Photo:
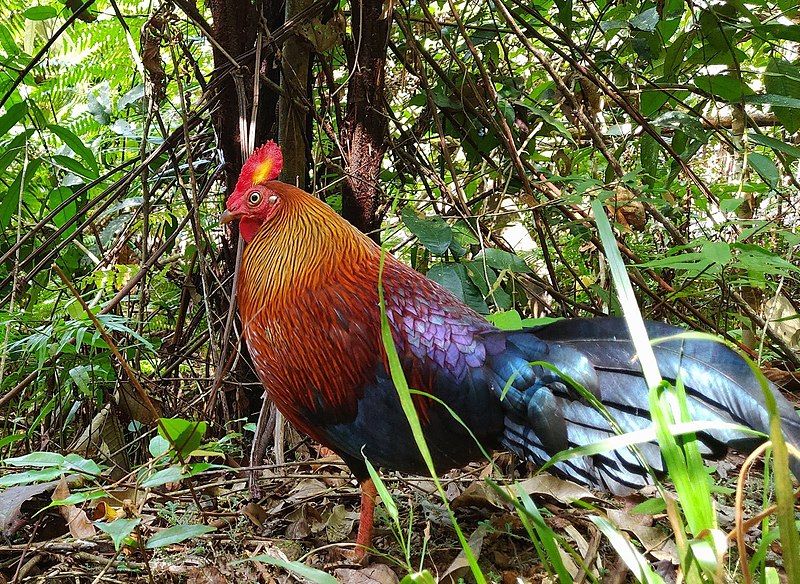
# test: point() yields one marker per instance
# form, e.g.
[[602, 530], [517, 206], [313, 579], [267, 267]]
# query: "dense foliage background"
[[469, 137]]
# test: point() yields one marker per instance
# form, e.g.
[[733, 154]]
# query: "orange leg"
[[369, 495]]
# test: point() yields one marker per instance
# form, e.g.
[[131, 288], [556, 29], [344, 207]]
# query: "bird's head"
[[253, 202]]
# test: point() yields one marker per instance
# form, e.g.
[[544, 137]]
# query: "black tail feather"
[[720, 386]]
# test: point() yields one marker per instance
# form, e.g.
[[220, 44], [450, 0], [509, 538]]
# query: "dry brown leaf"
[[460, 565], [307, 489], [338, 524], [304, 521], [478, 494], [559, 489], [255, 513], [375, 574], [655, 540], [11, 501], [78, 523]]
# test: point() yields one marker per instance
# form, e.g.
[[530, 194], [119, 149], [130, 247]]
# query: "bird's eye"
[[254, 198]]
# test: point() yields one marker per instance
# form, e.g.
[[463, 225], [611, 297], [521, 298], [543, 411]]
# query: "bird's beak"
[[227, 217]]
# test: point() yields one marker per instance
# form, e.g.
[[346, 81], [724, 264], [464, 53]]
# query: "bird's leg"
[[369, 495]]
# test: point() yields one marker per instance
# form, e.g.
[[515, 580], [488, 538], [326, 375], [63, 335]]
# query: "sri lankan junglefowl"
[[308, 299]]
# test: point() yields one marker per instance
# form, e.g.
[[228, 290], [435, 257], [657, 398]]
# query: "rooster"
[[308, 300]]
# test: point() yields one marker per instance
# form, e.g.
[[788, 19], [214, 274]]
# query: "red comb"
[[264, 164]]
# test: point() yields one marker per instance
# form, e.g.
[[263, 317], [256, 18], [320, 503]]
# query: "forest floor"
[[308, 512]]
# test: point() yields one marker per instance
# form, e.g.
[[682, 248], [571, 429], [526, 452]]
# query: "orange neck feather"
[[296, 251]]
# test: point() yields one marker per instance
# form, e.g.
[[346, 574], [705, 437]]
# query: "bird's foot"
[[358, 556]]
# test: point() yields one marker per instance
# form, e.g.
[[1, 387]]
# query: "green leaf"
[[40, 459], [507, 320], [119, 529], [7, 41], [30, 476], [646, 21], [433, 232], [565, 13], [717, 252], [383, 493], [773, 100], [10, 204], [783, 78], [40, 12], [184, 435], [176, 534], [775, 144], [158, 446], [132, 96], [502, 260], [78, 147], [764, 166], [58, 196], [12, 116], [424, 577], [77, 498], [727, 87], [75, 461], [650, 507], [171, 474], [447, 275], [310, 574]]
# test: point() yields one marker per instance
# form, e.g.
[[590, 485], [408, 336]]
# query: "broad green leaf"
[[171, 474], [184, 435], [132, 96], [646, 21], [502, 260], [447, 276], [30, 476], [764, 166], [783, 78], [12, 116], [775, 144], [158, 446], [40, 12], [433, 232], [57, 197], [40, 459], [176, 534], [727, 87], [78, 147], [565, 13], [650, 507], [507, 320], [10, 203], [77, 498], [75, 461], [119, 529], [7, 41], [774, 100]]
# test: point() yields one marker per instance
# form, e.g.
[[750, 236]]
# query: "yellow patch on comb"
[[261, 173]]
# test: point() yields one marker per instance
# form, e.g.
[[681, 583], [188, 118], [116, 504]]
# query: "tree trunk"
[[235, 30], [293, 132], [364, 135]]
